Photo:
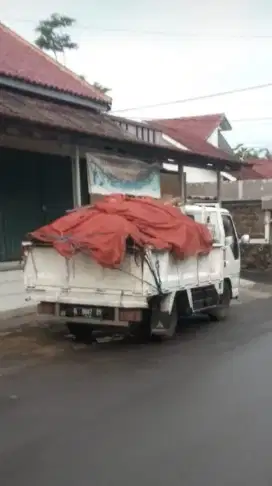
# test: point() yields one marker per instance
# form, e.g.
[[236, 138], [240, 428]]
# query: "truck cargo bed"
[[53, 278]]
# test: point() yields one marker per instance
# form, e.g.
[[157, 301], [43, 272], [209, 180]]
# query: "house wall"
[[193, 174], [154, 136], [213, 138], [218, 140], [140, 131], [245, 190], [250, 219]]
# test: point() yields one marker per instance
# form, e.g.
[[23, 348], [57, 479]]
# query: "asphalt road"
[[194, 412]]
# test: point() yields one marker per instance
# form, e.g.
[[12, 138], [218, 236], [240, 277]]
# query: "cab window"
[[230, 232], [212, 223]]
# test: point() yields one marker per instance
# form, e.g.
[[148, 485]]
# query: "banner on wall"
[[113, 174]]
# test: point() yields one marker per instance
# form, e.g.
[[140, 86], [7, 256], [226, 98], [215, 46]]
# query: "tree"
[[96, 85], [101, 88], [247, 153], [52, 36]]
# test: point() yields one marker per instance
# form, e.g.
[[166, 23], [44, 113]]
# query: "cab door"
[[210, 268], [232, 260]]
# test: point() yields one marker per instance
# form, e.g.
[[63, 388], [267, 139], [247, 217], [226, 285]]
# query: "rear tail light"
[[130, 315]]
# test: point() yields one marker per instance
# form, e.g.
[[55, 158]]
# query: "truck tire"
[[141, 331], [222, 311], [81, 332]]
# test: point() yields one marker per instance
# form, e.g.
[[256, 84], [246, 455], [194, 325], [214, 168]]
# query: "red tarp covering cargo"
[[102, 230]]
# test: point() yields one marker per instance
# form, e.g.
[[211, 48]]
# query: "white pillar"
[[181, 181], [77, 202], [218, 186]]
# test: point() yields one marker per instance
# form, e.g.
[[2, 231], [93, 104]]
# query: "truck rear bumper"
[[105, 299], [91, 315]]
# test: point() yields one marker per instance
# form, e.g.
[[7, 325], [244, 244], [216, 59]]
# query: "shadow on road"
[[27, 345]]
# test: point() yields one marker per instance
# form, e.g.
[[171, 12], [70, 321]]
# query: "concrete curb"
[[9, 266]]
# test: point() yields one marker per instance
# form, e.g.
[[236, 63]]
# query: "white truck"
[[148, 294]]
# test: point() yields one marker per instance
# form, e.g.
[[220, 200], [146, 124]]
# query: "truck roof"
[[215, 207]]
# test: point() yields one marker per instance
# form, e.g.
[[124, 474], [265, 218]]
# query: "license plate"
[[89, 312]]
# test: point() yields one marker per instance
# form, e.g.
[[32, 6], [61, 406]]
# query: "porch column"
[[77, 201], [182, 183], [218, 186]]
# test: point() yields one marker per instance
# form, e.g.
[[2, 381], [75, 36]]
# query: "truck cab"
[[222, 228]]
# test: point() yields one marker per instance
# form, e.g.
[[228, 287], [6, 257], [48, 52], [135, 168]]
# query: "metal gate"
[[34, 189]]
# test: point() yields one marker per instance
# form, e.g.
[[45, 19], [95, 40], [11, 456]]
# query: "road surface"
[[192, 412]]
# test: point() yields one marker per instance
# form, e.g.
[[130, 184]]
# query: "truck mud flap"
[[164, 323]]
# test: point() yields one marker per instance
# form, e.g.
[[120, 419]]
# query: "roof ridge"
[[208, 115], [213, 121], [53, 61], [190, 117]]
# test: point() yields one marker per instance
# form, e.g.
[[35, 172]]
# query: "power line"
[[162, 33], [196, 98], [254, 120]]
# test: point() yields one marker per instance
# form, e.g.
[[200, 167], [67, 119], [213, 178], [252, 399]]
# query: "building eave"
[[53, 94]]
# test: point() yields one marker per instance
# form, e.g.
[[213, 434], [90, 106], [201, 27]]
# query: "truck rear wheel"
[[222, 311], [81, 332], [141, 330]]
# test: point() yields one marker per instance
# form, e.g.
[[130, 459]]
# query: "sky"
[[151, 55]]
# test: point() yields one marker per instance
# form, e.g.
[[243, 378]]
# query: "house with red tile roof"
[[26, 67], [49, 119], [199, 134], [255, 169]]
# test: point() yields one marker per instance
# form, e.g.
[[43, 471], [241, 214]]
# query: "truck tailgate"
[[49, 276]]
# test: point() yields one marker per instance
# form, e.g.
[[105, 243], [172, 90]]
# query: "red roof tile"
[[23, 61], [191, 141], [201, 126], [256, 169]]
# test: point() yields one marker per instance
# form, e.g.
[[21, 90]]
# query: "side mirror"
[[245, 240]]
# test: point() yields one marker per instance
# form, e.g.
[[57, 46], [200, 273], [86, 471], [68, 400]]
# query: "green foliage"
[[247, 153], [101, 88], [52, 36]]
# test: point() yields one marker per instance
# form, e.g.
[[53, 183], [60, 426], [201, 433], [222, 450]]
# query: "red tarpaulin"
[[102, 230]]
